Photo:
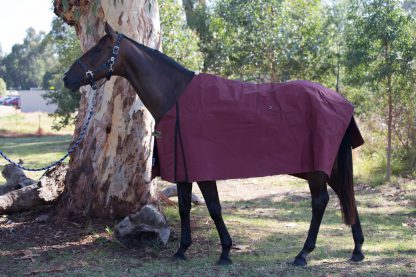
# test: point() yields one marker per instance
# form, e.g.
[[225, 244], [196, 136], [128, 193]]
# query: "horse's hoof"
[[179, 257], [299, 262], [357, 257], [224, 261]]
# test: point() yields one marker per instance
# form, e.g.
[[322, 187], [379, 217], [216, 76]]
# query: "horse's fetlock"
[[299, 261]]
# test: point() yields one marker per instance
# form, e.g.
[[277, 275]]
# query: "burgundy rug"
[[230, 129]]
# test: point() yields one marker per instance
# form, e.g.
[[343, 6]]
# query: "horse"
[[160, 82]]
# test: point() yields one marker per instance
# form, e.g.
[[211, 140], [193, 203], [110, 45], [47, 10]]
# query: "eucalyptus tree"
[[381, 55], [111, 176], [178, 42]]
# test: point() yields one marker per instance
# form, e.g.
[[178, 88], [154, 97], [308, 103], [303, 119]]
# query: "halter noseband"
[[109, 64]]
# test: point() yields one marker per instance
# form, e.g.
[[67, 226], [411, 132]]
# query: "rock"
[[146, 227], [42, 218]]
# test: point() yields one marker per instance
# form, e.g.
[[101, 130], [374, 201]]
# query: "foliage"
[[198, 18], [3, 87], [178, 40], [67, 49], [273, 40], [380, 56], [25, 66]]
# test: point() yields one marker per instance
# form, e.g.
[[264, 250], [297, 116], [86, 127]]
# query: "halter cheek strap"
[[112, 60], [109, 64]]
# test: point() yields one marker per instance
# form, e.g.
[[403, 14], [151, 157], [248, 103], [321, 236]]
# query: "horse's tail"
[[341, 180]]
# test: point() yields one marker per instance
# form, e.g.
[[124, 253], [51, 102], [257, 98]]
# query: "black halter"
[[109, 64]]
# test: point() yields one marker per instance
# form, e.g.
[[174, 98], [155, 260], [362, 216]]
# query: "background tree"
[[3, 87], [178, 40], [111, 175], [268, 40], [27, 63], [198, 18], [67, 48], [380, 55]]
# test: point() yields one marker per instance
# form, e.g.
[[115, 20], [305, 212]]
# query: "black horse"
[[159, 81]]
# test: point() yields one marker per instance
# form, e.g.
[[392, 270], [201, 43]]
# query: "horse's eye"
[[97, 49]]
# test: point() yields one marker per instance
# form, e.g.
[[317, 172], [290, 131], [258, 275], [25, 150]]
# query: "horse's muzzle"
[[72, 86]]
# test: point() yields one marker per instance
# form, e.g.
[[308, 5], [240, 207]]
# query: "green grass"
[[34, 151]]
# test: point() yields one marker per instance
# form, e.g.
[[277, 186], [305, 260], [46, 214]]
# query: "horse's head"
[[96, 63]]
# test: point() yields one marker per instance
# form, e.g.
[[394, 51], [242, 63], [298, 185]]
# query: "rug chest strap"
[[178, 137]]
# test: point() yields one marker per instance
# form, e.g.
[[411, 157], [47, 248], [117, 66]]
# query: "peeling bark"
[[110, 174]]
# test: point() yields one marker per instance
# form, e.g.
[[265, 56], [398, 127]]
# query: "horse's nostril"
[[65, 78]]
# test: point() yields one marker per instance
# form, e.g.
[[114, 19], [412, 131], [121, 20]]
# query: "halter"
[[109, 64]]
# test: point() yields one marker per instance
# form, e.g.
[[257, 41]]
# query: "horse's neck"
[[158, 84]]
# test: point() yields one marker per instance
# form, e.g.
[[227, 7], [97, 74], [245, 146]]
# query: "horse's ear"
[[110, 31]]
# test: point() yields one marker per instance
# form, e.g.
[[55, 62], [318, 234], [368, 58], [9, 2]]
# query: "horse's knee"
[[320, 202], [184, 210], [214, 211]]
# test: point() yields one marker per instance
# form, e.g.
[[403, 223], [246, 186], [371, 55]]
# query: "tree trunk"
[[110, 173], [389, 128]]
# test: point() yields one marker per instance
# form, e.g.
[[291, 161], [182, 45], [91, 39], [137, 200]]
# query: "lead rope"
[[84, 128]]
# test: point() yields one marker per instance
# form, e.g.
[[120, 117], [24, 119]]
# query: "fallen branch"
[[45, 191], [173, 191], [15, 179], [46, 270]]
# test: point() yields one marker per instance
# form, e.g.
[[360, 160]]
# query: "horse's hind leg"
[[320, 198], [210, 193], [184, 200], [357, 234]]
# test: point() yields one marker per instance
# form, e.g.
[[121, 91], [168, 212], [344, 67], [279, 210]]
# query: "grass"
[[14, 121], [23, 143], [34, 151], [268, 220]]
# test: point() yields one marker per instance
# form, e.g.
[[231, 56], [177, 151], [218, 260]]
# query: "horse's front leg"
[[210, 193], [184, 200]]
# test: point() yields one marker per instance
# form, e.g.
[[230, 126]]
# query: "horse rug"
[[227, 129]]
